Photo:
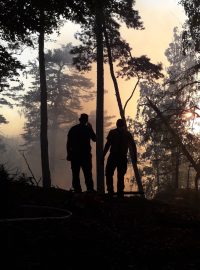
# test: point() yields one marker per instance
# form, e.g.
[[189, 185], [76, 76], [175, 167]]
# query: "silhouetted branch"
[[29, 168], [131, 94], [175, 136], [117, 93], [110, 60], [185, 85]]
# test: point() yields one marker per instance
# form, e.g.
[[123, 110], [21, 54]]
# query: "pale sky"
[[159, 17]]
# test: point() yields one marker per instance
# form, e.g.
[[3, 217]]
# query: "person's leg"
[[121, 171], [86, 165], [110, 168], [75, 166]]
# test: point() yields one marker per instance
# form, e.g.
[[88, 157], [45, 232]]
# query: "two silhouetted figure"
[[79, 152], [118, 141]]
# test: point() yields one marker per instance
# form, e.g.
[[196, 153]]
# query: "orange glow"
[[159, 17], [193, 121], [189, 115]]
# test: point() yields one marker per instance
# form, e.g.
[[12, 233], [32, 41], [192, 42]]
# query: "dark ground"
[[129, 233]]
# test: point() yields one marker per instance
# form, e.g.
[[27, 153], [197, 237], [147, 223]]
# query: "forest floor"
[[101, 233]]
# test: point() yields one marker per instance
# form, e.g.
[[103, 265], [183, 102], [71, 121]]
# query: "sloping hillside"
[[101, 233]]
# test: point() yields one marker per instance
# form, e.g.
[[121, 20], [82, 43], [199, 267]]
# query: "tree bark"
[[177, 165], [46, 177], [157, 168], [121, 110], [188, 178], [53, 146], [100, 100], [196, 182]]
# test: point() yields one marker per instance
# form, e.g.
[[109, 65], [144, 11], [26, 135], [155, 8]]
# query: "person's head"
[[83, 118], [120, 123]]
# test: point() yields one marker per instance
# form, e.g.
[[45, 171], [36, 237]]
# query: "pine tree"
[[26, 19], [66, 91]]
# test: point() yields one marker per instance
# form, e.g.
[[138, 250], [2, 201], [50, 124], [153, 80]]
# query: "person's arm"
[[106, 148], [92, 133], [107, 145]]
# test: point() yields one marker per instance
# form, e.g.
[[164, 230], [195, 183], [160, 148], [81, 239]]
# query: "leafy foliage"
[[191, 33], [139, 67], [25, 17], [176, 97], [7, 177], [66, 89], [9, 67], [9, 76], [113, 13], [192, 9]]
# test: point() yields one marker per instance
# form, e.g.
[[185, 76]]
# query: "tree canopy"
[[192, 9], [176, 96]]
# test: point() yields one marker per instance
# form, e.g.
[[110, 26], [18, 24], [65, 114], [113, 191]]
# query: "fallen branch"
[[31, 172]]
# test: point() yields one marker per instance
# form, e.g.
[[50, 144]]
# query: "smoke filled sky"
[[159, 17]]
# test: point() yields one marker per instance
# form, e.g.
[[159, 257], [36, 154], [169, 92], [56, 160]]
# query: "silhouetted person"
[[118, 141], [79, 152]]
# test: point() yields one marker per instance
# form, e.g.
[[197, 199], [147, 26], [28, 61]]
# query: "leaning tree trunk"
[[175, 136], [46, 177], [100, 101], [121, 110]]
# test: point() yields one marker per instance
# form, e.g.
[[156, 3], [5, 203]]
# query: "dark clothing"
[[112, 164], [78, 143], [86, 165], [118, 140], [79, 153]]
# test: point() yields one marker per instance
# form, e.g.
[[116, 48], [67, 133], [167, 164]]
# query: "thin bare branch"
[[131, 94], [29, 168]]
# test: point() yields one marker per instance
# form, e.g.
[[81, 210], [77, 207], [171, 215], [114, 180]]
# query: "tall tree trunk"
[[53, 146], [188, 178], [100, 100], [157, 168], [197, 177], [121, 110], [158, 176], [196, 182], [177, 165], [46, 177]]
